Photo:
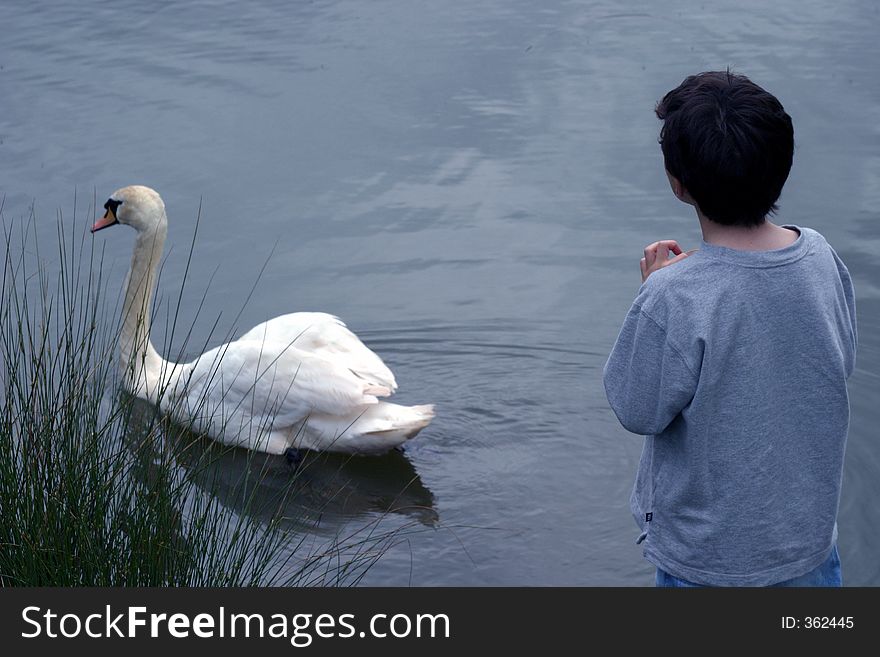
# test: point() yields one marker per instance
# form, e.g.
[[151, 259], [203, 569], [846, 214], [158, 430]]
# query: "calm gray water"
[[468, 184]]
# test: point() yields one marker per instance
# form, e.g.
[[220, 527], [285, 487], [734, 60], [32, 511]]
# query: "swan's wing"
[[289, 327], [327, 337], [272, 382]]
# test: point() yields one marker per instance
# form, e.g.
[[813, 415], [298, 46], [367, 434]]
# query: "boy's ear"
[[678, 189]]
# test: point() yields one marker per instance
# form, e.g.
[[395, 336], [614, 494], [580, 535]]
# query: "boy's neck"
[[764, 237]]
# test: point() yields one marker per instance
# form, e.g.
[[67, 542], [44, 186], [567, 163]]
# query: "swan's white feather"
[[264, 377], [270, 396], [326, 336]]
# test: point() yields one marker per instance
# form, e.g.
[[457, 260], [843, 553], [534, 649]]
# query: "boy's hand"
[[657, 256]]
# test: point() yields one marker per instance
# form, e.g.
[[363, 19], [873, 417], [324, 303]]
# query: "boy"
[[734, 357]]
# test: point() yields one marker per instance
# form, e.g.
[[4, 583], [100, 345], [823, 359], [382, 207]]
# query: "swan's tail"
[[398, 422], [379, 428]]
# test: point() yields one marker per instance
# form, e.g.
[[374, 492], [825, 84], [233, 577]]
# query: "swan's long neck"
[[144, 370]]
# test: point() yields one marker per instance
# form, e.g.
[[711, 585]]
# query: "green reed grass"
[[97, 491]]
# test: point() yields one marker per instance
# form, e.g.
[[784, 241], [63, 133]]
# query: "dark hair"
[[730, 143]]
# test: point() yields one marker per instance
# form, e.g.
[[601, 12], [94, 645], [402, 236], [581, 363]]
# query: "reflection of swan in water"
[[323, 492]]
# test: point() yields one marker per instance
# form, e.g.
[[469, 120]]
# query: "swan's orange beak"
[[109, 219]]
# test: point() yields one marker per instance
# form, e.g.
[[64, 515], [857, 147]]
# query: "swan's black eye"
[[112, 205]]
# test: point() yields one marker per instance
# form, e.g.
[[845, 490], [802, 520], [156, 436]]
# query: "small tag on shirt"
[[648, 516]]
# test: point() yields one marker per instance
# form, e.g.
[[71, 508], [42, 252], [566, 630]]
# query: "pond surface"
[[468, 184]]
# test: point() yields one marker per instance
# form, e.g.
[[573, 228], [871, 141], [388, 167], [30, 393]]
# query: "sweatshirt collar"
[[773, 258]]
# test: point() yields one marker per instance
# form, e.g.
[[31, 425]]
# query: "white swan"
[[301, 380]]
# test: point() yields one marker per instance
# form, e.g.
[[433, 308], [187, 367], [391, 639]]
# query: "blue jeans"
[[826, 574]]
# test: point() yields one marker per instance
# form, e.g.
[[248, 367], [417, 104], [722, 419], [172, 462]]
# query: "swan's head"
[[136, 206]]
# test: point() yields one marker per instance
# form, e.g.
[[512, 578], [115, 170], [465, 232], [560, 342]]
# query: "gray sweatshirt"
[[733, 364]]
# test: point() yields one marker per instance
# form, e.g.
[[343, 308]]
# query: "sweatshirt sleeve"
[[647, 380], [849, 296]]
